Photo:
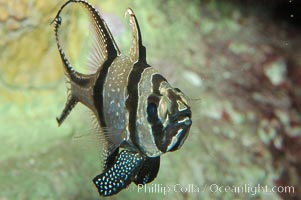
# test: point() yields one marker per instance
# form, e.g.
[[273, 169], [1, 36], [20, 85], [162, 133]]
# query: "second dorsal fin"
[[137, 51], [105, 50], [105, 43]]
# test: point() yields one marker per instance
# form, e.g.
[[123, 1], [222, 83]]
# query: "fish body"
[[140, 114]]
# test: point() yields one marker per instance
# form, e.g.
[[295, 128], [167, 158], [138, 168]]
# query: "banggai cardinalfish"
[[140, 115]]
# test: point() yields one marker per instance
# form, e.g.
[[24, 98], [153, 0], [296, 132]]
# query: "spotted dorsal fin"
[[105, 50], [137, 51]]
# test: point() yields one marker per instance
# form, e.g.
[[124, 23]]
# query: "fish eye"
[[152, 110]]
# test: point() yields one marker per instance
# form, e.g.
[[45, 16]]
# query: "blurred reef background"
[[239, 60]]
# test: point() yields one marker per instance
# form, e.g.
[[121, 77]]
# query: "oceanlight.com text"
[[251, 189], [214, 188]]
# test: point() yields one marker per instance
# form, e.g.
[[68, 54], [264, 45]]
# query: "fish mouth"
[[176, 133], [179, 116]]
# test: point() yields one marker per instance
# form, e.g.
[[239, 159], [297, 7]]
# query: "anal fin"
[[148, 171], [110, 159], [71, 102]]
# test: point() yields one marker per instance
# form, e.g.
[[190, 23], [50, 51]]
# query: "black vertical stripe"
[[133, 98], [98, 91], [157, 126]]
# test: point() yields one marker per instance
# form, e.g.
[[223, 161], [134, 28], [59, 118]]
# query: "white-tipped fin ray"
[[104, 45]]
